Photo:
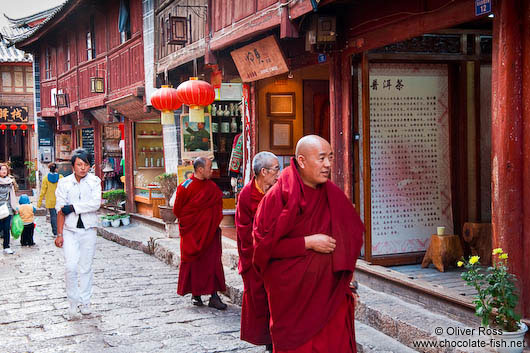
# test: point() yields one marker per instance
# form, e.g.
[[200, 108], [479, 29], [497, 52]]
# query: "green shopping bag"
[[17, 226]]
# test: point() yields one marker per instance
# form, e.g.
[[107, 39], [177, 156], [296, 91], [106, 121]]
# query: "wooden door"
[[316, 108]]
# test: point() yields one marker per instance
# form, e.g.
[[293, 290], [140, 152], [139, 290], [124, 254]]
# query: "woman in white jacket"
[[8, 197]]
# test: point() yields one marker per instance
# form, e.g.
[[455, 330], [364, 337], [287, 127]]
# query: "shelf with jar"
[[149, 146]]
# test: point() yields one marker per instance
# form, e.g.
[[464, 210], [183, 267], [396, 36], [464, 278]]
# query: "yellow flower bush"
[[496, 297]]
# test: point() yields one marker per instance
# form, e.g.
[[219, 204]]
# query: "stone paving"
[[135, 306]]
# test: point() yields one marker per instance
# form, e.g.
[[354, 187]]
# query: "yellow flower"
[[497, 251], [460, 264], [503, 256], [474, 259]]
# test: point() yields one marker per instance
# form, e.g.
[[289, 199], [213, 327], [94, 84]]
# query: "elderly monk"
[[310, 302], [255, 308], [199, 209]]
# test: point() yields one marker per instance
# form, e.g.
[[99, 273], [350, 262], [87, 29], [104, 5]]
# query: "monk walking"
[[255, 308], [310, 302], [199, 209]]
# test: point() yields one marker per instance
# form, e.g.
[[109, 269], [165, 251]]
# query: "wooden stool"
[[443, 251], [478, 236]]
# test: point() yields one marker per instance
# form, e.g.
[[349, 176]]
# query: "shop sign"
[[260, 60], [14, 114], [322, 58], [482, 7]]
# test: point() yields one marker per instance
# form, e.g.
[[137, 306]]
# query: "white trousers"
[[79, 248]]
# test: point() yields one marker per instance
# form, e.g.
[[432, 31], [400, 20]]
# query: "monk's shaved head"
[[308, 143], [313, 158]]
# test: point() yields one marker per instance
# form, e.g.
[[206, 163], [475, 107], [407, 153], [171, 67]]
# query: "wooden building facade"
[[349, 52], [92, 78]]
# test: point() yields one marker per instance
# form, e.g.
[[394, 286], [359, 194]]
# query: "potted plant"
[[125, 219], [32, 175], [114, 197], [168, 185], [115, 220], [496, 301], [105, 221]]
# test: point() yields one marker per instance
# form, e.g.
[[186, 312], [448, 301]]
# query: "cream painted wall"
[[317, 72]]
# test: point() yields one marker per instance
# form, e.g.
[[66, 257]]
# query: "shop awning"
[[132, 108], [100, 114]]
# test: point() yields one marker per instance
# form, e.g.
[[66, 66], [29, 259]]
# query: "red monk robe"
[[254, 308], [309, 297], [199, 209]]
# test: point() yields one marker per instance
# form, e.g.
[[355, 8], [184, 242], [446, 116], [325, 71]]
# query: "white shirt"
[[84, 195]]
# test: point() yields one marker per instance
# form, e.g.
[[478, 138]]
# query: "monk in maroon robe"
[[199, 209], [310, 302], [255, 308]]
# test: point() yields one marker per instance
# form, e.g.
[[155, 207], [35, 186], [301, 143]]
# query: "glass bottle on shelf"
[[227, 111], [233, 125], [214, 110]]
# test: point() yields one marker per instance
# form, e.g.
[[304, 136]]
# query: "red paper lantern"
[[13, 128], [23, 127], [3, 127], [165, 99], [197, 94]]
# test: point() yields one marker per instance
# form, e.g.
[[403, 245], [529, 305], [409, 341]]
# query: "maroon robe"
[[255, 308], [306, 291], [199, 209]]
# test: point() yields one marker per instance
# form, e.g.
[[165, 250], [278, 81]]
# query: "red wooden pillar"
[[340, 122], [98, 148], [526, 157], [130, 205], [507, 118]]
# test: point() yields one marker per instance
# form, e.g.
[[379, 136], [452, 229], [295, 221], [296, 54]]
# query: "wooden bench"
[[478, 236]]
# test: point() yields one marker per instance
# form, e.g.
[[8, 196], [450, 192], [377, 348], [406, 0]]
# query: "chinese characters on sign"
[[409, 150], [259, 60], [14, 114]]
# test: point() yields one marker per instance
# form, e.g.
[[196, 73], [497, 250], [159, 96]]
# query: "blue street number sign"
[[322, 58], [482, 7]]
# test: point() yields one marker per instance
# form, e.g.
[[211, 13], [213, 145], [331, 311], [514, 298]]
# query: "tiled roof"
[[10, 54], [12, 33]]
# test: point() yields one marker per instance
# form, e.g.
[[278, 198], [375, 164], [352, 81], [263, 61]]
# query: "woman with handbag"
[[8, 205]]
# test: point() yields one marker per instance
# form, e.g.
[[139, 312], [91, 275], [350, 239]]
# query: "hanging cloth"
[[124, 23]]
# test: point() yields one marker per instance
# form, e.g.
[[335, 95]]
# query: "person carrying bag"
[[7, 200]]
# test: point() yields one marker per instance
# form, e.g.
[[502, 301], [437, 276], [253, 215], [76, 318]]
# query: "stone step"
[[369, 340], [413, 325]]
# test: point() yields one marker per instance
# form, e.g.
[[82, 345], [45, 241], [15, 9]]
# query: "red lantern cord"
[[23, 127], [13, 128], [3, 127]]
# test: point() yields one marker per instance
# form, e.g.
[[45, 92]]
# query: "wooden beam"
[[506, 136], [525, 280], [346, 133], [335, 120], [130, 205], [367, 169], [411, 26]]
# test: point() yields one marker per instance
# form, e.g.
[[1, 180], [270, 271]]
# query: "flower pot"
[[166, 213], [105, 223], [510, 342], [115, 223], [126, 220]]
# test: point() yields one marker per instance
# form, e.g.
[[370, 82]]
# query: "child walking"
[[27, 213]]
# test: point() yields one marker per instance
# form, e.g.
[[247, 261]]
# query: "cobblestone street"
[[135, 305]]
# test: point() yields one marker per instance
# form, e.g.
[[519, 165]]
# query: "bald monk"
[[199, 209], [255, 308], [310, 302]]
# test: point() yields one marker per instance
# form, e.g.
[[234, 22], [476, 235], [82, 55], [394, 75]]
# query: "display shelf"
[[149, 136], [153, 168]]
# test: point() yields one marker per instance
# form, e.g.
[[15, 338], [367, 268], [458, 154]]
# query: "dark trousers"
[[27, 234], [5, 228], [53, 220]]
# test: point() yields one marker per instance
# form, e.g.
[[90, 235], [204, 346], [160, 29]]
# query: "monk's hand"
[[321, 243]]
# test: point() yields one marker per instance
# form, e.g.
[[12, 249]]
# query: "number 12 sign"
[[482, 7]]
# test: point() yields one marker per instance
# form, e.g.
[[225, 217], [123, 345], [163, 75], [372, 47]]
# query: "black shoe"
[[215, 302], [196, 300], [268, 348]]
